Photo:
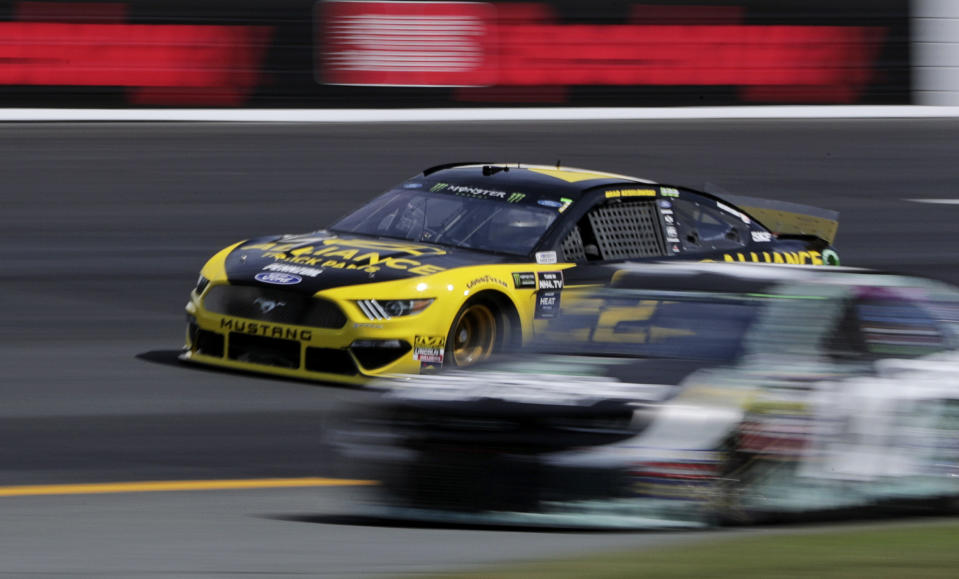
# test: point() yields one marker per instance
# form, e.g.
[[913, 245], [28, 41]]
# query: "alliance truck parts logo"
[[366, 255]]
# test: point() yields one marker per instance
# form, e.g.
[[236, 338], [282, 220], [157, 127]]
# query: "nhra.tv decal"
[[550, 284], [550, 280]]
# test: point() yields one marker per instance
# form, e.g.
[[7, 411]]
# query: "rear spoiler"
[[788, 218]]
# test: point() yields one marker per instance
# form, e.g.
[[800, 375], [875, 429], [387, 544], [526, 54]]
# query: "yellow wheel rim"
[[474, 335]]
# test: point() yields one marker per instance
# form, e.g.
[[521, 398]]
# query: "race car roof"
[[535, 179]]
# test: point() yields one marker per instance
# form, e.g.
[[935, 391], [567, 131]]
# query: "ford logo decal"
[[277, 278]]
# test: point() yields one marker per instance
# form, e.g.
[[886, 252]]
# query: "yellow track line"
[[176, 485]]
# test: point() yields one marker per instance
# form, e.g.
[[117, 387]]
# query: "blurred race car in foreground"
[[685, 395], [458, 261]]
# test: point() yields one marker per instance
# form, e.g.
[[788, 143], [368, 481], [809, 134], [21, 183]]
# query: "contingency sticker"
[[550, 285], [429, 349], [524, 280], [546, 257]]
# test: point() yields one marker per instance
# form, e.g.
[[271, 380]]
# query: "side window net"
[[627, 230], [573, 246]]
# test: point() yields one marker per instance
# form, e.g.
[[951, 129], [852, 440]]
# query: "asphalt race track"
[[104, 227]]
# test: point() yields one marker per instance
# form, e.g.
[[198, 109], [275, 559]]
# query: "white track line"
[[473, 114]]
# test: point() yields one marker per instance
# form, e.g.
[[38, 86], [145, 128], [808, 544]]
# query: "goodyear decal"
[[363, 254], [630, 193], [266, 330], [485, 279], [429, 349], [786, 257]]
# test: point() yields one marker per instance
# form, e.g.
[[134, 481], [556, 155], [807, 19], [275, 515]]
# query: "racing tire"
[[474, 334]]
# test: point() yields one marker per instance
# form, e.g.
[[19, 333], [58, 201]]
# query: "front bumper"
[[350, 349]]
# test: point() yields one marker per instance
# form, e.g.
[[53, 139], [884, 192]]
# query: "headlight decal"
[[372, 310], [388, 309]]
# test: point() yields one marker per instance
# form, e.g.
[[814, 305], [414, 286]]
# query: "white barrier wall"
[[935, 52]]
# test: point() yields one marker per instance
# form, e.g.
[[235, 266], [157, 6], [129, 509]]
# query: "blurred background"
[[550, 53], [104, 227]]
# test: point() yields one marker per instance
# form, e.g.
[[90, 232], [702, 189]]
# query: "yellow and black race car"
[[459, 261]]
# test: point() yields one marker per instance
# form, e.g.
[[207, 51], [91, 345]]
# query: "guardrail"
[[300, 53]]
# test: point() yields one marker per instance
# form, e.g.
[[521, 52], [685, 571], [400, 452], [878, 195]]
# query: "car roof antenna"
[[494, 169], [557, 163]]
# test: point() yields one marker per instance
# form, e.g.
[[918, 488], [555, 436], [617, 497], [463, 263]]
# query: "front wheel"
[[473, 335]]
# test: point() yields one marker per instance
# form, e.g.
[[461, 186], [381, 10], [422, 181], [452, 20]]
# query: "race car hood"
[[322, 260]]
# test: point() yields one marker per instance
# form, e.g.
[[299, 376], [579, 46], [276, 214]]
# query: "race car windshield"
[[483, 224]]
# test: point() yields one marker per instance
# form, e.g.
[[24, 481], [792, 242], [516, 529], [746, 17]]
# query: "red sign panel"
[[88, 44], [469, 44], [408, 43], [52, 53]]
